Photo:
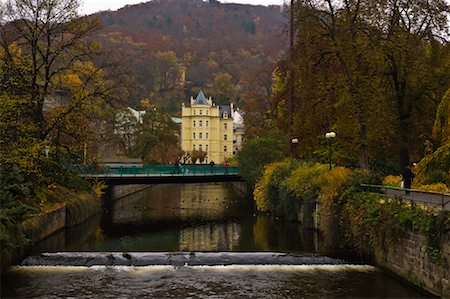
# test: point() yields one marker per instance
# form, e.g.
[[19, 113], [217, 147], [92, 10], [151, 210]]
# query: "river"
[[191, 241]]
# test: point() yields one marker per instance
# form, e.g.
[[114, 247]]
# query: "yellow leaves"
[[73, 81], [261, 185], [392, 180], [436, 187], [99, 188]]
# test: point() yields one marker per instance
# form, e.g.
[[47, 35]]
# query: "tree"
[[417, 66], [352, 62], [198, 155], [46, 60], [258, 152], [223, 89], [43, 41], [156, 139]]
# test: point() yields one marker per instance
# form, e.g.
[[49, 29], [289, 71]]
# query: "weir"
[[175, 259]]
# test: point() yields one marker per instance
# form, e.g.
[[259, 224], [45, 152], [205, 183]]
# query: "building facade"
[[208, 128]]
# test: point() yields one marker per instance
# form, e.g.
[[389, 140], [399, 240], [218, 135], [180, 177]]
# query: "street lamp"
[[330, 136], [46, 150], [294, 142]]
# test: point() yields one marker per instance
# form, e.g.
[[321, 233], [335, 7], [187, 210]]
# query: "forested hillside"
[[171, 48]]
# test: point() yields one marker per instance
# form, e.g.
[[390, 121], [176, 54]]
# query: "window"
[[193, 135], [207, 123], [206, 147], [206, 136], [194, 112], [207, 112], [200, 147], [193, 147], [194, 123], [224, 148], [200, 135], [225, 114], [225, 126], [201, 112], [225, 137], [200, 123]]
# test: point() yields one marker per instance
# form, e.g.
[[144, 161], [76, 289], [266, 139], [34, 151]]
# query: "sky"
[[91, 6]]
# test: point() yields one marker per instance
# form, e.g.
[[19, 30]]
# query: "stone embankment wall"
[[66, 215], [409, 259]]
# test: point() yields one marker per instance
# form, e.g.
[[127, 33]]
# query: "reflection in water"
[[337, 281], [210, 237], [211, 201]]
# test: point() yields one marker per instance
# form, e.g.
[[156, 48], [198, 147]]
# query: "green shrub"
[[436, 176], [432, 166], [257, 153], [16, 205]]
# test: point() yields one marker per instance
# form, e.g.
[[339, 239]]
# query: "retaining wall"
[[408, 258]]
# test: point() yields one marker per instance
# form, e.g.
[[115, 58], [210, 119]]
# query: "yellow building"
[[208, 128]]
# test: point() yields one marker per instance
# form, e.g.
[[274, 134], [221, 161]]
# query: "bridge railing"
[[154, 170], [420, 197]]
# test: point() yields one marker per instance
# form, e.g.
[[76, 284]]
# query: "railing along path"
[[419, 197]]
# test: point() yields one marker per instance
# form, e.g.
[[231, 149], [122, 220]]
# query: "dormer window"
[[225, 114]]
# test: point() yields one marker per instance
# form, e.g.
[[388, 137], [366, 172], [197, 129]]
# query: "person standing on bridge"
[[211, 164], [225, 165]]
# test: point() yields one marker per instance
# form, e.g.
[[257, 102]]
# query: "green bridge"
[[158, 174]]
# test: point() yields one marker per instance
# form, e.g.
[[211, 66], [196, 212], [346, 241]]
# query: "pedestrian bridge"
[[158, 174]]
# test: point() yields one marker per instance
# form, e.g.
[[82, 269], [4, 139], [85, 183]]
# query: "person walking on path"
[[407, 177]]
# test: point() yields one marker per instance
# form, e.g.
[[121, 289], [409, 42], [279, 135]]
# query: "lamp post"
[[330, 136], [46, 150], [294, 142]]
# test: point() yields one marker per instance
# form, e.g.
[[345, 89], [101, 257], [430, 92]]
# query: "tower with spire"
[[208, 128]]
